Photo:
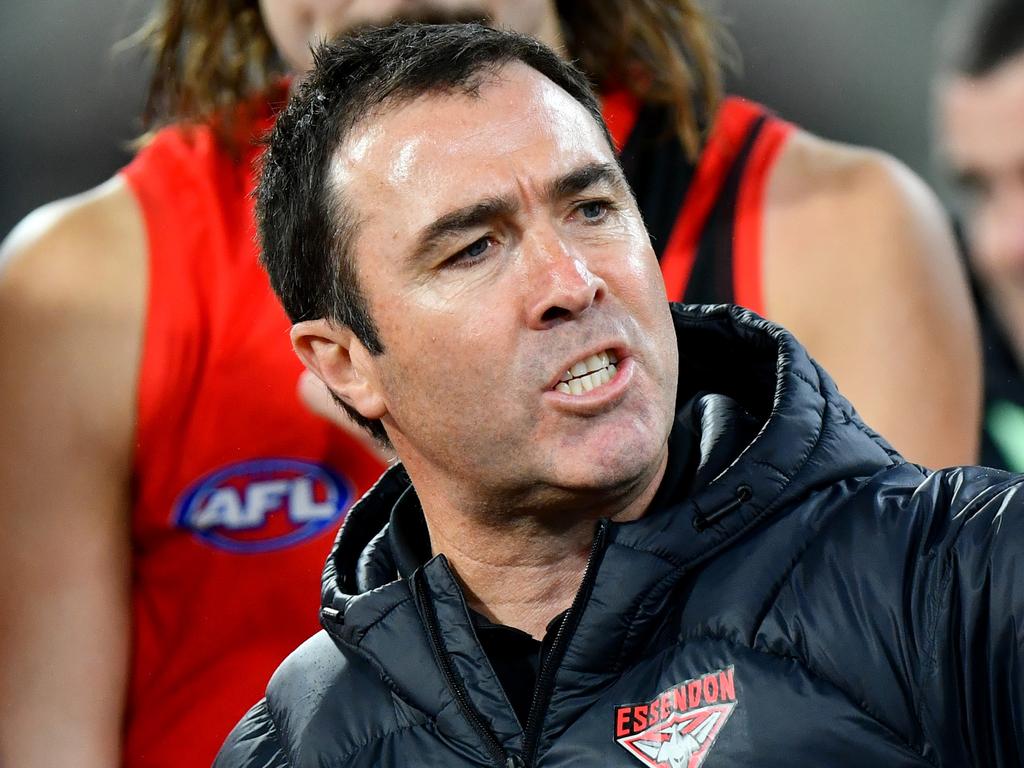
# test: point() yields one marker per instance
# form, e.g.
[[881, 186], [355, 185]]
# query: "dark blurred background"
[[852, 71]]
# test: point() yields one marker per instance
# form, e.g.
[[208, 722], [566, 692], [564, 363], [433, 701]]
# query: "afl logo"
[[258, 506]]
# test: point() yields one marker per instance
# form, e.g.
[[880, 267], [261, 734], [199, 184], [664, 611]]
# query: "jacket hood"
[[806, 436]]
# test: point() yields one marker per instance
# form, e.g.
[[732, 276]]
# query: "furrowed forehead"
[[410, 129], [381, 106], [413, 164]]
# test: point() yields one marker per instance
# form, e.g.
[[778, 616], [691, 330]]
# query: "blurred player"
[[154, 443], [981, 113]]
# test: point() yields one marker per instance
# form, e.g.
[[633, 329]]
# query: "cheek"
[[983, 239], [997, 242], [440, 353], [637, 273], [454, 388]]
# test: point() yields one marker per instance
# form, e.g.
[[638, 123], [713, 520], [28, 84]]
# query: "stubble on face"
[[469, 357]]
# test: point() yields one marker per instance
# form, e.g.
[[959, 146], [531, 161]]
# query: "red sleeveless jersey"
[[705, 220], [236, 485], [238, 490]]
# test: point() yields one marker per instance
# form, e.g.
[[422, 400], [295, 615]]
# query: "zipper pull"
[[514, 761], [330, 614], [703, 522]]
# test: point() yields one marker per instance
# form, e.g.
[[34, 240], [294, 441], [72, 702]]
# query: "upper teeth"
[[587, 374]]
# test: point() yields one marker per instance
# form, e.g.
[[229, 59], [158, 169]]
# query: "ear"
[[336, 356]]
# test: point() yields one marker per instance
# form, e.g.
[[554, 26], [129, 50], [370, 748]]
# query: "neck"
[[522, 576], [522, 569]]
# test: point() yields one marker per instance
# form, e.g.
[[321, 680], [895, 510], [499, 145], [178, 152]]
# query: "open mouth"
[[589, 373]]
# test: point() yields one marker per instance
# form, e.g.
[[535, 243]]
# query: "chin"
[[617, 462]]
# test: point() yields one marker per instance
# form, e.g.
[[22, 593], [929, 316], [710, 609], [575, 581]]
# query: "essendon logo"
[[677, 728]]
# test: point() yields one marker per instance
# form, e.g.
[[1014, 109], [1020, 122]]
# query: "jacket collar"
[[732, 362]]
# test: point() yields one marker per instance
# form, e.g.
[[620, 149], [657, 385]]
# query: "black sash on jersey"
[[658, 171], [660, 175]]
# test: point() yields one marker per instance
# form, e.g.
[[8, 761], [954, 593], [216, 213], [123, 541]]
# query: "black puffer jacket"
[[817, 601]]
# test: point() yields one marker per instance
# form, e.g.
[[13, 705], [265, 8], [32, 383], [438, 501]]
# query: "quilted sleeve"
[[254, 743], [972, 676]]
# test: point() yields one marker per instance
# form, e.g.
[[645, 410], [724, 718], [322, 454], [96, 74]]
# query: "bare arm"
[[861, 265], [72, 287]]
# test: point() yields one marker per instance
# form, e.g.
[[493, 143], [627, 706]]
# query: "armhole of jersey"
[[180, 181], [155, 178], [748, 257], [730, 129]]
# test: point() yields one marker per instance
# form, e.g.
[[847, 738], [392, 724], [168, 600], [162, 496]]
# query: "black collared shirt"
[[516, 656]]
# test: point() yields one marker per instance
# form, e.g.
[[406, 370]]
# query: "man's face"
[[498, 247], [982, 122]]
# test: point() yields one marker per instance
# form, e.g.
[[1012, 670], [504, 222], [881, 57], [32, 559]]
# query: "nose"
[[561, 283]]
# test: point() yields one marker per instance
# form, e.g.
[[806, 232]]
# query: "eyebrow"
[[462, 219], [485, 211], [585, 177]]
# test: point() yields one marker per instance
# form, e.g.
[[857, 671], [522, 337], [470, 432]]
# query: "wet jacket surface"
[[811, 599]]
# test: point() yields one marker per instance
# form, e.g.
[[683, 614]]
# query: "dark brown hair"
[[663, 51], [980, 35], [305, 224], [212, 55]]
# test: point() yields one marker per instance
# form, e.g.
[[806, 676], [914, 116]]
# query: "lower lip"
[[600, 397]]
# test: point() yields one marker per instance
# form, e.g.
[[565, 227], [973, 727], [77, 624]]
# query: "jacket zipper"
[[501, 758], [545, 680], [553, 659]]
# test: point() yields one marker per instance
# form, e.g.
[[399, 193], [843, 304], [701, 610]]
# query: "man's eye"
[[471, 253], [594, 210]]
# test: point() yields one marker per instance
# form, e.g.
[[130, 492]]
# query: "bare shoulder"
[[834, 192], [77, 250], [810, 164], [72, 302], [860, 263], [846, 219]]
